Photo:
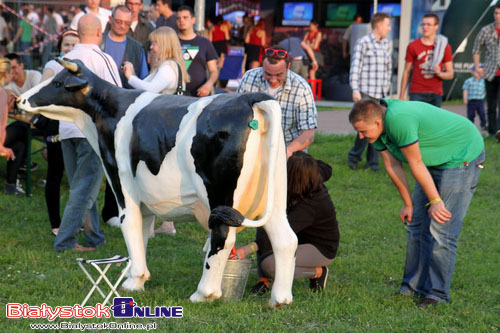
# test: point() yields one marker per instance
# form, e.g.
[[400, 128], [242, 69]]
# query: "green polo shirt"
[[446, 140]]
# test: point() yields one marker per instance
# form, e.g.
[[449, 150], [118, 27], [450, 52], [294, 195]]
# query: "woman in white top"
[[165, 59]]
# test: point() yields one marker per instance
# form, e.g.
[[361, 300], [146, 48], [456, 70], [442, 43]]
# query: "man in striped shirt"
[[370, 78], [293, 93]]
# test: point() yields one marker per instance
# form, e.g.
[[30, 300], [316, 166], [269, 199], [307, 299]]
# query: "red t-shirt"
[[422, 80]]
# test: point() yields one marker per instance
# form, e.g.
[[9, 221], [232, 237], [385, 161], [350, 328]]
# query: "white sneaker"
[[114, 222]]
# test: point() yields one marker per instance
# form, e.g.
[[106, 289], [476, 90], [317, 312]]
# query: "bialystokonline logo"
[[123, 307]]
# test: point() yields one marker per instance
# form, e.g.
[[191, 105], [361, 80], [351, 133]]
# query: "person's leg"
[[85, 173], [15, 139], [110, 208], [417, 247], [471, 111], [355, 155], [480, 113], [419, 97], [55, 170], [492, 101], [456, 187], [372, 158], [436, 99]]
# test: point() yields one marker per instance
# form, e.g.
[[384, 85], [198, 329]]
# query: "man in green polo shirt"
[[445, 153]]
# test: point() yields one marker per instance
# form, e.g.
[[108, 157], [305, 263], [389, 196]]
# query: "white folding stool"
[[102, 275]]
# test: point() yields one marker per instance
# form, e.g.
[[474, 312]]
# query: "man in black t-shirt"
[[199, 55]]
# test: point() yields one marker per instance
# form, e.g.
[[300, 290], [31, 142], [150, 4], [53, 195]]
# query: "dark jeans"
[[55, 170], [474, 105], [492, 94], [356, 152], [430, 98], [15, 139]]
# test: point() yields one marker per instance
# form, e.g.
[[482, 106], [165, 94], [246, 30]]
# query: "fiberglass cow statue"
[[220, 159]]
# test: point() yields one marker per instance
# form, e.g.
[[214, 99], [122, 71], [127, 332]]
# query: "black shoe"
[[24, 168], [318, 284], [373, 167], [427, 302], [259, 289], [353, 165]]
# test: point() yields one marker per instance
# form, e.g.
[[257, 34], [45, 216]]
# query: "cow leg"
[[146, 229], [209, 288], [284, 243], [132, 229]]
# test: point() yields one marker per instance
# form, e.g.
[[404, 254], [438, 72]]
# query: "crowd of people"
[[161, 53]]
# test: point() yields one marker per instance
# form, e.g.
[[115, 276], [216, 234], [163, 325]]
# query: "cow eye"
[[57, 84]]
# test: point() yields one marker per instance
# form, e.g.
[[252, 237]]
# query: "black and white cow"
[[220, 159]]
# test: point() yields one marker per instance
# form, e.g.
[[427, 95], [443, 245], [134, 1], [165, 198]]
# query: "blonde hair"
[[5, 68], [170, 49]]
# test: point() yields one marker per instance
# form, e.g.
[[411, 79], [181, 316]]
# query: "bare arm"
[[404, 80], [301, 142], [206, 88], [437, 210], [465, 96], [448, 71], [4, 151], [397, 174]]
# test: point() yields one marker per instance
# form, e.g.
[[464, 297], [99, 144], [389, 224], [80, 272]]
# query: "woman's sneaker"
[[14, 188], [259, 289], [318, 284]]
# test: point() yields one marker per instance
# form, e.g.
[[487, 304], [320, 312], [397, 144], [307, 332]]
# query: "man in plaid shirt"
[[293, 93], [487, 39], [370, 78]]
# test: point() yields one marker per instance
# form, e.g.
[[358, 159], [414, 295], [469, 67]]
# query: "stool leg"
[[320, 89], [113, 287], [96, 283]]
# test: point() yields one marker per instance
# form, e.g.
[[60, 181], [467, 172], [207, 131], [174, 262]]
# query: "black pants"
[[110, 208], [492, 94], [15, 139], [55, 170]]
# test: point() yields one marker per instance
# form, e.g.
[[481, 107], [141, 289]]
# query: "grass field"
[[362, 279]]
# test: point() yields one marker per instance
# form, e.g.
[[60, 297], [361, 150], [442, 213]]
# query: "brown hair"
[[377, 18], [4, 69], [366, 109], [274, 59], [431, 15], [303, 176]]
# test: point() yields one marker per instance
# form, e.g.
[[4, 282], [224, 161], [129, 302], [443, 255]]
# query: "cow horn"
[[71, 66]]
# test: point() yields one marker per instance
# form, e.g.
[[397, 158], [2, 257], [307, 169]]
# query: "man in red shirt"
[[431, 59]]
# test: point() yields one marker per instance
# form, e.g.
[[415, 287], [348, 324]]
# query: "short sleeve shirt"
[[423, 80], [446, 140], [196, 53]]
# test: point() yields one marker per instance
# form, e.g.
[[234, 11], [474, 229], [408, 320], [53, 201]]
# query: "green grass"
[[331, 108], [366, 272]]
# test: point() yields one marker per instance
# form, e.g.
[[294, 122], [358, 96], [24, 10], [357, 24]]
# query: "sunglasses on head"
[[269, 52]]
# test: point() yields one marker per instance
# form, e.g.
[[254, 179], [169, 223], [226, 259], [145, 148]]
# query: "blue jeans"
[[431, 247], [473, 106], [430, 98], [85, 174]]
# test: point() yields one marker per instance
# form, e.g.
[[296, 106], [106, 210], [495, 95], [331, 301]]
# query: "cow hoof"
[[134, 284], [278, 305], [198, 298]]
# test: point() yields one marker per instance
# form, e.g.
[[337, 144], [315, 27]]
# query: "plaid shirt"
[[371, 67], [476, 89], [298, 110], [488, 38]]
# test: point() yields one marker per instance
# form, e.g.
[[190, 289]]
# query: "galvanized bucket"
[[235, 279]]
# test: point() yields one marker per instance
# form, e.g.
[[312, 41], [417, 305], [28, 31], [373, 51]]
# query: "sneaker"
[[24, 168], [259, 289], [427, 302], [14, 188], [318, 284]]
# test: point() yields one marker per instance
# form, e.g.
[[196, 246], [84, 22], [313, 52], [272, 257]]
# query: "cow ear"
[[74, 83]]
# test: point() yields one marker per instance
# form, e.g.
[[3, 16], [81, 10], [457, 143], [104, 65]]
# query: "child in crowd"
[[474, 91], [312, 216]]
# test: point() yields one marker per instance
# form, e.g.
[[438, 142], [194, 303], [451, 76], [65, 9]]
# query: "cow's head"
[[63, 97]]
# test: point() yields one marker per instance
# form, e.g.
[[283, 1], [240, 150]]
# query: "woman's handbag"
[[179, 90]]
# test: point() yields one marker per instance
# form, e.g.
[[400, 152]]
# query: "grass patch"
[[331, 108], [363, 277]]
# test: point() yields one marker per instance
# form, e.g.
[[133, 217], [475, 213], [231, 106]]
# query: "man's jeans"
[[85, 174], [430, 98], [431, 247]]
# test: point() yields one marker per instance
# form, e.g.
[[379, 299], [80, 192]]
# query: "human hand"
[[237, 253], [204, 90], [8, 153], [437, 70], [315, 66], [439, 213], [465, 102], [356, 96], [128, 69], [406, 214]]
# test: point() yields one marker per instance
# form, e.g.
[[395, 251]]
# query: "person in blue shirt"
[[474, 91]]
